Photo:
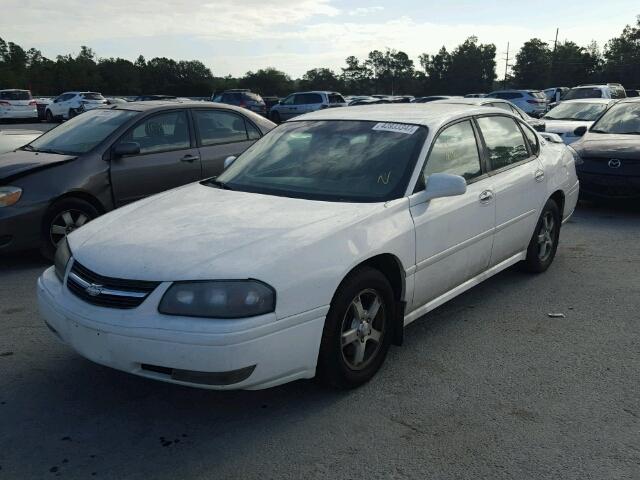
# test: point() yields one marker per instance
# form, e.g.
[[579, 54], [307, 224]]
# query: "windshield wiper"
[[27, 148], [629, 133], [54, 151], [219, 184]]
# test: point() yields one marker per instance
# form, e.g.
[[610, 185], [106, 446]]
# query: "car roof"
[[14, 90], [318, 91], [590, 100], [427, 114], [629, 100], [169, 104]]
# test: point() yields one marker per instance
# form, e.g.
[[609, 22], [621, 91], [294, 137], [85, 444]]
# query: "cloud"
[[360, 11]]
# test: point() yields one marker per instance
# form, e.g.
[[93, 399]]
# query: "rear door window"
[[308, 98], [217, 127], [504, 141], [92, 96]]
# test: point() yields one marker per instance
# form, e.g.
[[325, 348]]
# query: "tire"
[[62, 218], [275, 117], [354, 346], [72, 113], [48, 116], [544, 242]]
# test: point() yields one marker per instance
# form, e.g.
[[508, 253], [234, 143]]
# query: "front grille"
[[107, 292], [609, 185]]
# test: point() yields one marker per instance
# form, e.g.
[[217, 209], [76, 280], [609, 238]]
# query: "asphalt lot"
[[42, 126], [486, 386]]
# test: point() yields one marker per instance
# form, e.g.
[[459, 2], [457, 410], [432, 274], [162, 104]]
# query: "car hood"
[[564, 126], [608, 145], [199, 232], [20, 162]]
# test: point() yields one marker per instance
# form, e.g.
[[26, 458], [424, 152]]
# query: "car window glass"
[[516, 112], [583, 93], [335, 98], [623, 118], [504, 141], [217, 127], [455, 151], [502, 105], [252, 131], [15, 95], [289, 100], [532, 138], [161, 132]]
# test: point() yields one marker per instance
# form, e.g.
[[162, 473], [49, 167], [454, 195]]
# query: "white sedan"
[[314, 249]]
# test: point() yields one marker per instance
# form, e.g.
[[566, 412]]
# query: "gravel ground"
[[486, 386]]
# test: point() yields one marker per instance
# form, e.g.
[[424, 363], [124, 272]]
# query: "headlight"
[[576, 156], [219, 299], [61, 259], [9, 196]]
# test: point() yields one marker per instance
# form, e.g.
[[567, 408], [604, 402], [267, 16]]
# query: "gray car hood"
[[20, 162]]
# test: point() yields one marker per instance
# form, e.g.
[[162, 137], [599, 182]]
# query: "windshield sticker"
[[384, 179], [396, 127]]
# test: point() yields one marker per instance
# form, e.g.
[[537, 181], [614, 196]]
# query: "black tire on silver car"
[[275, 117], [49, 116], [62, 218], [357, 331], [544, 242]]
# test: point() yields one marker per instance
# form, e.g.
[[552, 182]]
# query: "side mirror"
[[551, 137], [228, 161], [580, 131], [126, 148], [440, 185]]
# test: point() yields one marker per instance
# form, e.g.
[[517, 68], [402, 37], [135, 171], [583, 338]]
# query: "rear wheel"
[[544, 242], [62, 218], [357, 332], [49, 116], [275, 117], [72, 113]]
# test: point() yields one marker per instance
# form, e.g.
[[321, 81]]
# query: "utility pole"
[[555, 42], [506, 68]]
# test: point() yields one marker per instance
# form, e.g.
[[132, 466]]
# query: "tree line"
[[470, 67]]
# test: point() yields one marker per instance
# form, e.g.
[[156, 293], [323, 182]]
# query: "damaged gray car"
[[108, 157]]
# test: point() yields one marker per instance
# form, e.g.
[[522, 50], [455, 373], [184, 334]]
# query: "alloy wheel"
[[363, 328], [546, 236], [66, 222]]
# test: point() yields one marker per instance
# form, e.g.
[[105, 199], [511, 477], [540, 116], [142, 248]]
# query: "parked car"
[[242, 98], [16, 138], [632, 93], [554, 94], [70, 104], [565, 118], [535, 123], [270, 102], [314, 249], [41, 105], [305, 102], [532, 102], [608, 90], [609, 154], [17, 104], [116, 100], [475, 95], [108, 157], [369, 101]]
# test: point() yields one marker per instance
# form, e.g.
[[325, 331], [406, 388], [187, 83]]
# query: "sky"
[[236, 36]]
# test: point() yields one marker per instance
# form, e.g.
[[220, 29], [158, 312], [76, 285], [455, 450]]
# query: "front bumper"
[[254, 353], [20, 227], [593, 185]]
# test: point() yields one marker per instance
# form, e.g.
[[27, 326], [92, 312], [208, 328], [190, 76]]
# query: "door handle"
[[190, 158], [486, 196], [539, 175]]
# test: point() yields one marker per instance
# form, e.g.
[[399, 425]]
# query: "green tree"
[[320, 79], [267, 81], [622, 57], [472, 68], [533, 65]]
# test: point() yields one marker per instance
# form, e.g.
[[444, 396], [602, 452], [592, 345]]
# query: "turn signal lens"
[[9, 196]]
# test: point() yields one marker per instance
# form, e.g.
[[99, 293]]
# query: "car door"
[[307, 102], [518, 182], [168, 157], [454, 235], [57, 105], [221, 134], [287, 109]]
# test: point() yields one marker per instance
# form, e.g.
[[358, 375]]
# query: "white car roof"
[[604, 101], [428, 114]]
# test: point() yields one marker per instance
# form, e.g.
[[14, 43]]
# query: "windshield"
[[81, 133], [583, 93], [622, 118], [353, 161], [576, 111]]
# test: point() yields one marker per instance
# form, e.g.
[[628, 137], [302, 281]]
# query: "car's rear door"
[[221, 134], [168, 157], [454, 235], [307, 102], [518, 182]]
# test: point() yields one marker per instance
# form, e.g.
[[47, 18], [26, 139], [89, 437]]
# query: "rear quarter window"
[[335, 98]]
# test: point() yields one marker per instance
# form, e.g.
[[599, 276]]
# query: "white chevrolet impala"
[[314, 249]]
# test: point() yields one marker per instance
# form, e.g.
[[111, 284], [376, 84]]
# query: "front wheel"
[[544, 242], [49, 116], [357, 331], [62, 218], [275, 117]]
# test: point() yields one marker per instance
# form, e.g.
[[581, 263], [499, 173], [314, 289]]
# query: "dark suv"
[[242, 98]]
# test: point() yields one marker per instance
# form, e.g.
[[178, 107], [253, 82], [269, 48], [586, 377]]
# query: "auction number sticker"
[[396, 127]]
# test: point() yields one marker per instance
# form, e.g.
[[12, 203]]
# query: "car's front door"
[[167, 157], [287, 108], [307, 102], [518, 182], [454, 235], [221, 134]]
